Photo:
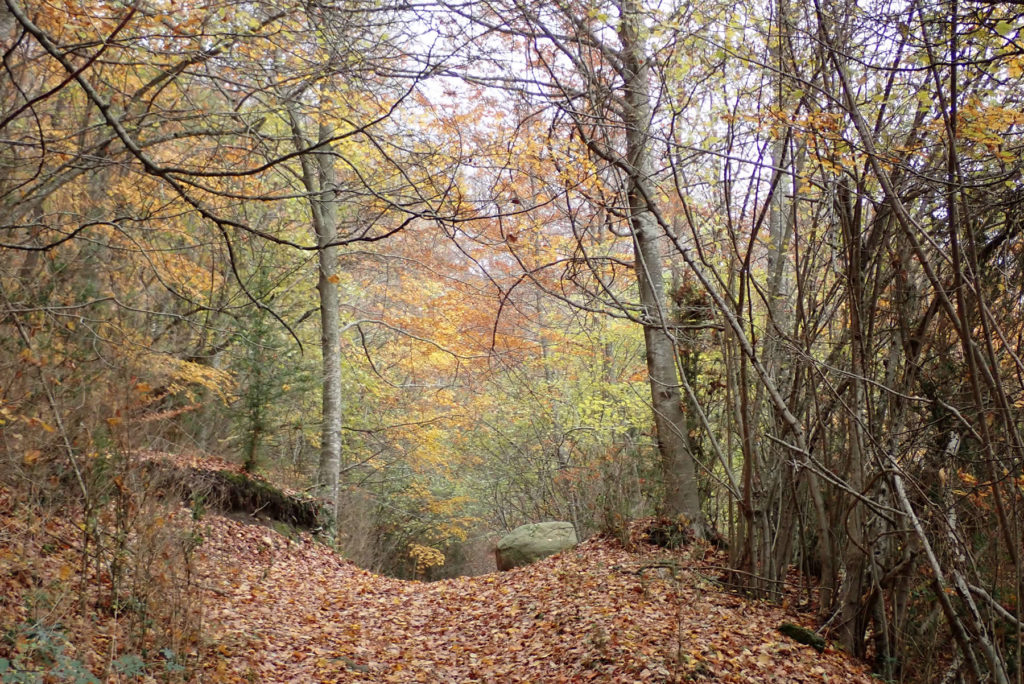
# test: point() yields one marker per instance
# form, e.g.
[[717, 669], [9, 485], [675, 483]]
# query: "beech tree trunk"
[[320, 181], [677, 464], [330, 327]]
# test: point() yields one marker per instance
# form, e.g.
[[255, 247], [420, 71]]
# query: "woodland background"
[[456, 266]]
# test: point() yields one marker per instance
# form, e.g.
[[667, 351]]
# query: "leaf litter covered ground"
[[280, 609], [291, 611]]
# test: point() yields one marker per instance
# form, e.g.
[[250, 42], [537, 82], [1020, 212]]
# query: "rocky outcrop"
[[529, 543]]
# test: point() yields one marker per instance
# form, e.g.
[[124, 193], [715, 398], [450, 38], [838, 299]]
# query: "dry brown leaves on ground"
[[291, 611], [276, 609]]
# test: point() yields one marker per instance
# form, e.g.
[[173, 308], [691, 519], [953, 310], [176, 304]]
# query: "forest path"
[[282, 610]]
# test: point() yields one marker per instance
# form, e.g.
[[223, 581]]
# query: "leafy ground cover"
[[278, 608], [289, 611]]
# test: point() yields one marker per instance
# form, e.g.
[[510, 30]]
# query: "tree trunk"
[[679, 472], [320, 181], [330, 325]]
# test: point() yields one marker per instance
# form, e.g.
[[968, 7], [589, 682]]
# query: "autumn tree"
[[217, 168], [811, 216], [858, 409], [589, 76]]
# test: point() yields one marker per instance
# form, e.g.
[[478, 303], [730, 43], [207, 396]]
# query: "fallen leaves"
[[279, 609], [585, 615]]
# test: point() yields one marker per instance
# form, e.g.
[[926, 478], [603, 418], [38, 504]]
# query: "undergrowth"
[[97, 568]]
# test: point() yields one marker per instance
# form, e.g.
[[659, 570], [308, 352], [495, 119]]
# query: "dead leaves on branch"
[[291, 611]]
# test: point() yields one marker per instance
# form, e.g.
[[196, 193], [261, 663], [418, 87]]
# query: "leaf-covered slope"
[[291, 611]]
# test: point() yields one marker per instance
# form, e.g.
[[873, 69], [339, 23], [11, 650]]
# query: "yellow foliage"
[[186, 376], [425, 557], [967, 478]]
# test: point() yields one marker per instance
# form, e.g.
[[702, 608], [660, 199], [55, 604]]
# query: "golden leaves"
[[185, 377], [425, 557]]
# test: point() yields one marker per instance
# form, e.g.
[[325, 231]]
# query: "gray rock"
[[529, 543]]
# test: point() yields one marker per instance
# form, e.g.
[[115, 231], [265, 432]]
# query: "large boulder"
[[529, 543]]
